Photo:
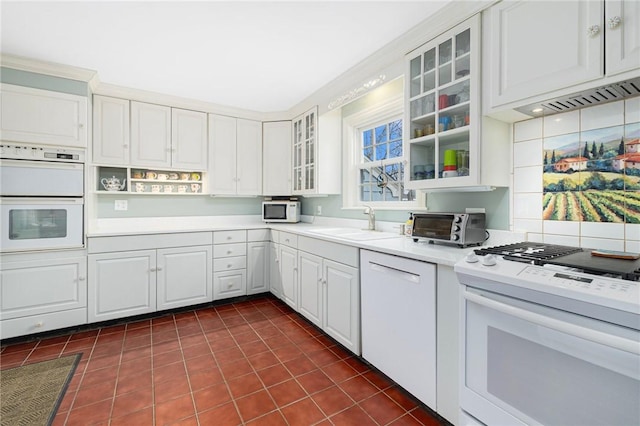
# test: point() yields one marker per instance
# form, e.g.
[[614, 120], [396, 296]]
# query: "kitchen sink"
[[353, 234]]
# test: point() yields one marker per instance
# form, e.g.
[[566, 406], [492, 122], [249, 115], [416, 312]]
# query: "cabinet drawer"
[[229, 263], [258, 235], [229, 284], [45, 322], [289, 239], [229, 250], [224, 237]]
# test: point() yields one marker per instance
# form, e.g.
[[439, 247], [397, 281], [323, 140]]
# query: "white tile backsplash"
[[631, 110], [527, 179], [561, 124], [527, 130], [527, 188], [561, 227], [602, 230], [607, 115], [527, 153], [602, 243]]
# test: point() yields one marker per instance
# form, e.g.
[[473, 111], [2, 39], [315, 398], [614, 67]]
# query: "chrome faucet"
[[372, 217]]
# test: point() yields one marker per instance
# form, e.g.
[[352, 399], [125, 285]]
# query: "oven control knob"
[[489, 260], [471, 258]]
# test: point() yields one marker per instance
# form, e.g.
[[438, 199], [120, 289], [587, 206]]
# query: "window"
[[374, 159]]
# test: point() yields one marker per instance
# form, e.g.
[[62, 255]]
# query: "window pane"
[[395, 130], [365, 192], [381, 134], [367, 137], [395, 149], [381, 151], [368, 154]]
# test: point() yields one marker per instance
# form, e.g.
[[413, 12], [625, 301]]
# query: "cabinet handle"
[[614, 22], [593, 30]]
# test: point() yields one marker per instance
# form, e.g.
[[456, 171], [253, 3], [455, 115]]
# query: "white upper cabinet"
[[316, 153], [150, 135], [110, 130], [622, 52], [167, 137], [43, 117], [535, 48], [188, 139], [235, 157], [276, 154]]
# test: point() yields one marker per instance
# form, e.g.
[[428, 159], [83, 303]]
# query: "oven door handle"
[[595, 336]]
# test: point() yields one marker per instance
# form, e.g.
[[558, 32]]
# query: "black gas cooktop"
[[572, 257]]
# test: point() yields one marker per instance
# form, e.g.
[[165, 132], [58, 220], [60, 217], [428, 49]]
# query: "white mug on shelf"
[[195, 187], [155, 188], [139, 187]]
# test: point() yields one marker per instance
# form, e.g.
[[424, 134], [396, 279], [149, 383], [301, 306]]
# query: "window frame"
[[389, 110]]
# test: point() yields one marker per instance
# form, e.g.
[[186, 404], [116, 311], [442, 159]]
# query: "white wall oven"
[[42, 198], [548, 345]]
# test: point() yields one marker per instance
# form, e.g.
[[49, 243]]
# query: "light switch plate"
[[319, 210], [121, 205]]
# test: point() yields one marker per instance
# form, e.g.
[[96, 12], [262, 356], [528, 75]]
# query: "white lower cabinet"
[[288, 261], [329, 289], [184, 276], [275, 280], [138, 274], [121, 284], [257, 261], [229, 264], [42, 293]]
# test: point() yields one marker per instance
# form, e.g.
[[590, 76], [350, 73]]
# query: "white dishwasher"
[[398, 298]]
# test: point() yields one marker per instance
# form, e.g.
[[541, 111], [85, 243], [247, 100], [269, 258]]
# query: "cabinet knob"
[[229, 237], [39, 324], [81, 125], [614, 22], [152, 270], [81, 278], [159, 268], [125, 146], [319, 280], [229, 266], [229, 251], [593, 30]]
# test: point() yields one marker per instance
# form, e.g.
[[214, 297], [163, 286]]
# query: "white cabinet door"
[[622, 40], [184, 276], [341, 304], [42, 286], [276, 154], [537, 47], [121, 284], [248, 157], [275, 281], [289, 275], [189, 139], [110, 130], [229, 284], [222, 156], [310, 283], [257, 267], [150, 135], [42, 116]]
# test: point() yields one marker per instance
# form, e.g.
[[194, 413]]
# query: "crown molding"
[[48, 68]]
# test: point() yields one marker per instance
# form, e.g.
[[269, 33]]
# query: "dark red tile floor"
[[253, 362]]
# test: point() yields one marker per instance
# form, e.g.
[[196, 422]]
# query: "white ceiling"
[[263, 56]]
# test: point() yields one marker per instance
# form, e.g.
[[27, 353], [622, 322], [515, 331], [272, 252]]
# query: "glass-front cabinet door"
[[304, 152], [442, 110]]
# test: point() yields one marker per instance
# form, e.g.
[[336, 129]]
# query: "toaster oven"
[[461, 229]]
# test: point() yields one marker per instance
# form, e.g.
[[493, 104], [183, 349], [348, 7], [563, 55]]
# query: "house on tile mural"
[[630, 159], [571, 164]]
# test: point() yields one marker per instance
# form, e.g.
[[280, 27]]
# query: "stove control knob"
[[471, 258], [489, 260]]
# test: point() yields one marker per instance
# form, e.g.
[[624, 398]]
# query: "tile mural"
[[593, 175]]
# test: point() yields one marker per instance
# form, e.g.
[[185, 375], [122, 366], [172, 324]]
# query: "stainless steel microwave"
[[461, 229], [284, 211]]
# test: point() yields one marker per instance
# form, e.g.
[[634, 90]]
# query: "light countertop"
[[390, 241]]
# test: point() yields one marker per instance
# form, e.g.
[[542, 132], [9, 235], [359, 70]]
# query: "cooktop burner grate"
[[530, 252]]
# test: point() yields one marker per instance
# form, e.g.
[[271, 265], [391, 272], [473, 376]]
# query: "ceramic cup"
[[185, 176], [195, 176], [163, 176], [151, 175], [195, 187], [182, 189], [139, 187], [155, 188], [137, 174], [173, 176], [168, 188]]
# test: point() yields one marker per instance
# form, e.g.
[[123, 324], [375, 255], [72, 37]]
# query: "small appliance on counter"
[[461, 229], [281, 210]]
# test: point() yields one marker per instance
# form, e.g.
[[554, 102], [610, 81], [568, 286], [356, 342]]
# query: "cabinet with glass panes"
[[442, 110]]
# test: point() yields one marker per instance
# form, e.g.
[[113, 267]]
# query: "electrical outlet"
[[121, 205], [318, 210]]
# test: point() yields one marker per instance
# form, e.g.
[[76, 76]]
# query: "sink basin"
[[353, 234]]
